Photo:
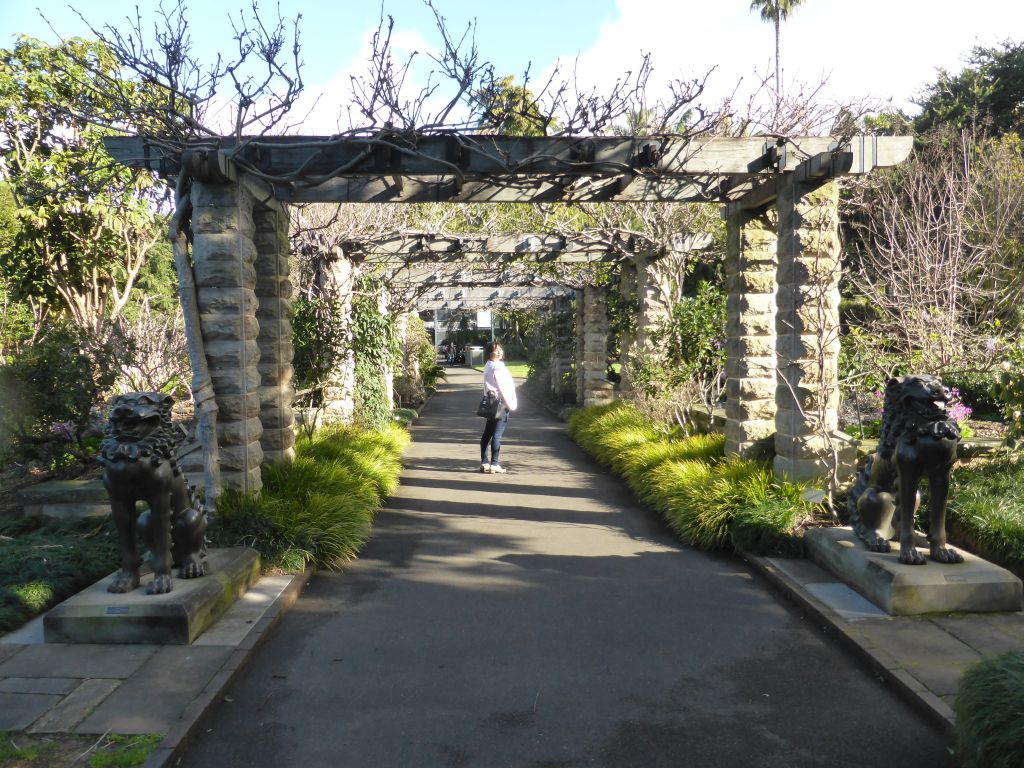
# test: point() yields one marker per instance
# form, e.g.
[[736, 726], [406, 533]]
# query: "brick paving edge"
[[171, 748], [851, 640]]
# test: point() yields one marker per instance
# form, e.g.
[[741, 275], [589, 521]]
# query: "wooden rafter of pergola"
[[415, 168]]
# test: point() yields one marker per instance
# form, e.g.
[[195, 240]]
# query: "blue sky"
[[886, 49]]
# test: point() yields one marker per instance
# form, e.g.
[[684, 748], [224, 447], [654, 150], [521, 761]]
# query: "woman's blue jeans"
[[494, 429]]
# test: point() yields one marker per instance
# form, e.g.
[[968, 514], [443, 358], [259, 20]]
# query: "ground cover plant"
[[43, 562], [711, 502], [318, 509], [986, 511], [990, 713], [55, 750]]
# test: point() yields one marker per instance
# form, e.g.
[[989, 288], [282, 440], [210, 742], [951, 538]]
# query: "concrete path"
[[543, 618]]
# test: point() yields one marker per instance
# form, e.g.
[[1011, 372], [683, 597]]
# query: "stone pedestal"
[[973, 586], [178, 617]]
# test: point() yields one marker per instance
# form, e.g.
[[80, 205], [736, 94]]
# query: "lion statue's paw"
[[946, 555], [161, 585], [876, 542], [910, 556], [124, 581], [192, 568]]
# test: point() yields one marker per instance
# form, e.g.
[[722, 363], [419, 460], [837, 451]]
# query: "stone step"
[[65, 499], [176, 618]]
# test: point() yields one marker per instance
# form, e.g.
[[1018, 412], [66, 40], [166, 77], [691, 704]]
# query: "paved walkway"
[[542, 618]]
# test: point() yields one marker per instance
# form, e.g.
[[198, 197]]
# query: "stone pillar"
[[224, 255], [750, 333], [580, 326], [383, 302], [274, 293], [339, 395], [654, 306], [593, 387], [628, 290], [807, 335]]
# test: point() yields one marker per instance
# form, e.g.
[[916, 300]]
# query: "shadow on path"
[[542, 618]]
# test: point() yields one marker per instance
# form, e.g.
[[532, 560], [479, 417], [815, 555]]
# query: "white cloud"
[[880, 48]]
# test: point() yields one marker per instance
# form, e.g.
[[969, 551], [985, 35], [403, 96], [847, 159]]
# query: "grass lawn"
[[519, 369]]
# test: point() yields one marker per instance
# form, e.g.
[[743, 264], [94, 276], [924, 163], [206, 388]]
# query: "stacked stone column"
[[807, 331], [628, 289], [225, 255], [274, 293], [592, 385], [339, 395], [750, 405]]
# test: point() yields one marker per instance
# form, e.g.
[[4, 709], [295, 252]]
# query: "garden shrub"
[[318, 509], [55, 384], [1010, 390], [710, 501], [990, 713]]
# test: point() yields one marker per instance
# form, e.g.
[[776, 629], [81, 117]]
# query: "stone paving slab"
[[74, 708], [60, 660], [923, 656], [152, 701], [58, 685], [19, 710]]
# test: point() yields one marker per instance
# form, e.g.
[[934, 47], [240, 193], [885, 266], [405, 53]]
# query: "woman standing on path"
[[498, 380]]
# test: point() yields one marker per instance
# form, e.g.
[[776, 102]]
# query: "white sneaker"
[[485, 467], [497, 469]]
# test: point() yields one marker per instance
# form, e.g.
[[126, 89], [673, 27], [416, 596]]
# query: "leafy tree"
[[86, 225], [510, 109], [775, 11], [990, 89]]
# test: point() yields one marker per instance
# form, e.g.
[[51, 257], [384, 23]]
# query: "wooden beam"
[[474, 168]]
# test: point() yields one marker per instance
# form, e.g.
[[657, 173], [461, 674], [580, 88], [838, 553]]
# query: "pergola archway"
[[779, 198]]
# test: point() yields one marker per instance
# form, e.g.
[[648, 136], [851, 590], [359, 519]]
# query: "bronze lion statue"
[[139, 464], [918, 441]]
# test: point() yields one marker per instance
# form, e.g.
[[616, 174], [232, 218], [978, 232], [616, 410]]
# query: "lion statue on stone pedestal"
[[139, 464], [918, 441]]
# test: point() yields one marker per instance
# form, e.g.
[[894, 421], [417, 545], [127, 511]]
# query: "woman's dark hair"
[[490, 348]]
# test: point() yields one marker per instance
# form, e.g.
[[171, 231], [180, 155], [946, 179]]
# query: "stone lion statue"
[[918, 441], [139, 464]]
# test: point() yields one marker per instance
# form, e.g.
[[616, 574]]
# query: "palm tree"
[[775, 11]]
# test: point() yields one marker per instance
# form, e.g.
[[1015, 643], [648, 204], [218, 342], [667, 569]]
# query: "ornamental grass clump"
[[319, 508], [990, 713], [709, 501], [987, 511]]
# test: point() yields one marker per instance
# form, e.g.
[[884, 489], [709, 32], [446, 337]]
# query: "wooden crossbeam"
[[410, 248], [390, 167], [811, 173]]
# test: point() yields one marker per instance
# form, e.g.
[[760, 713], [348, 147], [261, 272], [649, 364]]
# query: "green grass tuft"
[[709, 501], [319, 508], [990, 713], [986, 509]]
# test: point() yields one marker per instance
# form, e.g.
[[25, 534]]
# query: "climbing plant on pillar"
[[377, 347]]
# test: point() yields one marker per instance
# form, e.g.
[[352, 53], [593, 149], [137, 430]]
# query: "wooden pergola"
[[779, 198]]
